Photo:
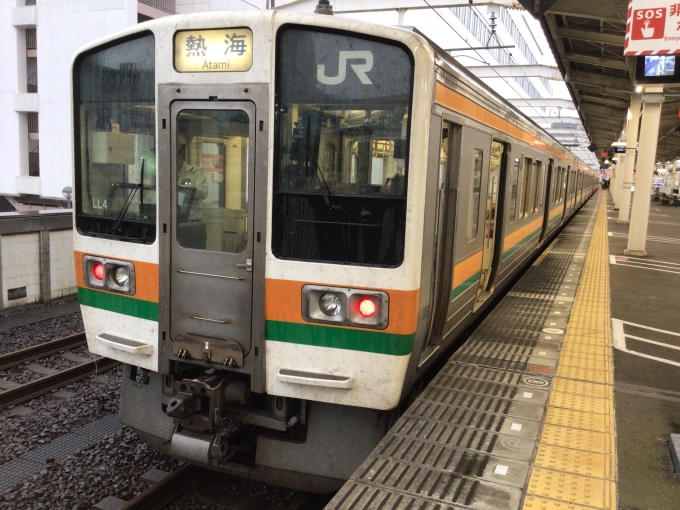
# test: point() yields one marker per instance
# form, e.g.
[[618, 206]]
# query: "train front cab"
[[253, 211]]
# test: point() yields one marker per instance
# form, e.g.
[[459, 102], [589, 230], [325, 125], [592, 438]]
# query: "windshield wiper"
[[128, 201], [327, 195]]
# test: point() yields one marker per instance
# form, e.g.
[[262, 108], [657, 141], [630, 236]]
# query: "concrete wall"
[[36, 256], [20, 267], [62, 276]]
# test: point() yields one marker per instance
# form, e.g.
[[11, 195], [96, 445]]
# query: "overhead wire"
[[528, 105]]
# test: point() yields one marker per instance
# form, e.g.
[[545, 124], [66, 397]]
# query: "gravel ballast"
[[40, 332]]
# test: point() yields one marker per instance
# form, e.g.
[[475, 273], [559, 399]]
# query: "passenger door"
[[212, 196], [547, 204]]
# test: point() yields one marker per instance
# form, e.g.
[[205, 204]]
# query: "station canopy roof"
[[587, 38]]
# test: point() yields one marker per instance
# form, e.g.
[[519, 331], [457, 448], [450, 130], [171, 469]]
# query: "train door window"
[[491, 210], [475, 190], [526, 188], [558, 183], [514, 189], [542, 192], [538, 181], [212, 168]]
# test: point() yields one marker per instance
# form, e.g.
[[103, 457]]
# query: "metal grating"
[[468, 439]]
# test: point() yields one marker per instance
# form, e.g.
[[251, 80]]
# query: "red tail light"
[[367, 307], [98, 271]]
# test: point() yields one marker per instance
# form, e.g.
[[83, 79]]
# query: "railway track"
[[186, 477], [19, 393]]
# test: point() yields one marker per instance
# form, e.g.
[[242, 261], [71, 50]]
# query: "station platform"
[[525, 414]]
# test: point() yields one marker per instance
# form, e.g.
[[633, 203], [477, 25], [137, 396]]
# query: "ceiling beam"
[[607, 111], [586, 35], [548, 102], [597, 61], [527, 71], [605, 101], [582, 87], [611, 10], [599, 80]]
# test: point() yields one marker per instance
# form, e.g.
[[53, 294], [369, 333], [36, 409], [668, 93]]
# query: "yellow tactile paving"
[[584, 350], [581, 403], [592, 363], [575, 461], [583, 388], [575, 465], [582, 490], [578, 439], [584, 374], [577, 419], [534, 503]]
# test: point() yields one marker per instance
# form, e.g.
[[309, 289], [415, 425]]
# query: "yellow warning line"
[[575, 466]]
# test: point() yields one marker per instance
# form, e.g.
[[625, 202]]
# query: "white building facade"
[[38, 40]]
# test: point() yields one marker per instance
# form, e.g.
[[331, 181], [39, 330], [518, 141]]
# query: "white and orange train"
[[283, 220]]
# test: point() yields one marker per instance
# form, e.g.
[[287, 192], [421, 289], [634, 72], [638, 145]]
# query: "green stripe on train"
[[459, 289], [340, 338], [118, 303]]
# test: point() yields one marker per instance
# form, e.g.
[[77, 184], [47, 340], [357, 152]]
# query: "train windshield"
[[341, 165], [115, 151]]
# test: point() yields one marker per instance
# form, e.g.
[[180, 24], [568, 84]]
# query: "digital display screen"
[[663, 65], [620, 150]]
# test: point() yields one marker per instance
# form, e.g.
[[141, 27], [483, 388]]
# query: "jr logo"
[[359, 69]]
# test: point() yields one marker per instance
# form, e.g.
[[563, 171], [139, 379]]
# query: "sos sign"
[[648, 24], [653, 27]]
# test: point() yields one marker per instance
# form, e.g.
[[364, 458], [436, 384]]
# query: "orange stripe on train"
[[456, 101], [518, 235], [466, 268]]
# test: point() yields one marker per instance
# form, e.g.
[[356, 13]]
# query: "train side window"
[[475, 190], [514, 179], [526, 176]]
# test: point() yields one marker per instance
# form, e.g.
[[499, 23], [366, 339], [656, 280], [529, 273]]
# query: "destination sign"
[[213, 51]]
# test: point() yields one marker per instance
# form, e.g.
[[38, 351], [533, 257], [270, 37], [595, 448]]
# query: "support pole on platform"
[[631, 153], [649, 134]]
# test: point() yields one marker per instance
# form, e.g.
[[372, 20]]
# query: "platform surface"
[[521, 416], [645, 310]]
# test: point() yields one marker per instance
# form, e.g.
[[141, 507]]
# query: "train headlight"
[[346, 307], [330, 304], [121, 275], [106, 274]]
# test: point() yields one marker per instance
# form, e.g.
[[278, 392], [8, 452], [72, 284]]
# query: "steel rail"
[[40, 351], [47, 383], [164, 492]]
